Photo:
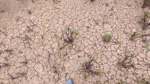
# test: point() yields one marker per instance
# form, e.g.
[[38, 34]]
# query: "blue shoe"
[[70, 81]]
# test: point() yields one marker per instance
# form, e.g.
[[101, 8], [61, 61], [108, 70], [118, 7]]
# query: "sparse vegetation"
[[26, 38], [134, 35], [147, 46], [36, 37], [86, 76], [70, 36], [107, 38], [118, 42], [146, 3], [96, 54], [146, 19], [112, 8], [87, 68], [126, 62], [137, 35]]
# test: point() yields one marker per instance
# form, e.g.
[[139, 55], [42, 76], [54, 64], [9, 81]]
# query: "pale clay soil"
[[30, 38]]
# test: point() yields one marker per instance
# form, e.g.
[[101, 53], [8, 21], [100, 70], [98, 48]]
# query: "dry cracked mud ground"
[[31, 34]]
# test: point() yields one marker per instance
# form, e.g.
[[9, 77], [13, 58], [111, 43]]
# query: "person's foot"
[[70, 81]]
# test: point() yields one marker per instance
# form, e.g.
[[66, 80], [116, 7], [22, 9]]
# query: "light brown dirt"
[[30, 40]]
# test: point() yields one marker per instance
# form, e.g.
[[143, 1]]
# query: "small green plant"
[[126, 62], [137, 35], [70, 36], [132, 55], [134, 35], [87, 67], [61, 47], [112, 8], [96, 54], [118, 42], [25, 39], [107, 38], [100, 71], [74, 32], [94, 60], [143, 17], [86, 76], [129, 67]]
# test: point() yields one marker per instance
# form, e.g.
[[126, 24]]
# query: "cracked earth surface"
[[30, 40]]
